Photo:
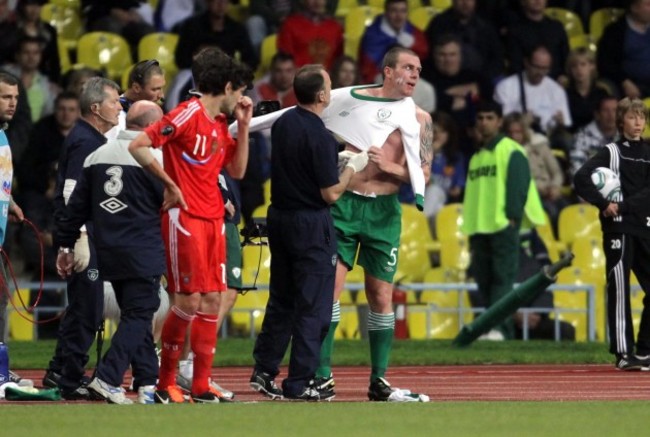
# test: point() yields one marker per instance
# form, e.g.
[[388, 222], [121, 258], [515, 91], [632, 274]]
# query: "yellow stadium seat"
[[416, 244], [66, 20], [238, 12], [553, 246], [267, 191], [449, 220], [577, 300], [578, 221], [420, 17], [589, 254], [571, 21], [268, 49], [64, 56], [600, 19], [249, 308], [105, 51], [68, 3], [161, 47], [440, 4], [356, 22], [21, 326], [444, 324], [344, 6], [636, 302], [582, 41]]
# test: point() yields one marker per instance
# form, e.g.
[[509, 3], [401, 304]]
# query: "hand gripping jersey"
[[365, 121]]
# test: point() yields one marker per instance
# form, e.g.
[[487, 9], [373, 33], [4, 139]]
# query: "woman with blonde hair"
[[584, 89]]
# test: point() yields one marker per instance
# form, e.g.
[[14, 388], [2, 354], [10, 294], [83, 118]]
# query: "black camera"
[[266, 107], [255, 229]]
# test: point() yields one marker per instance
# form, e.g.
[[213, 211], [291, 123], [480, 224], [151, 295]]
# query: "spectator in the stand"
[[75, 79], [40, 91], [533, 28], [169, 13], [481, 46], [265, 18], [457, 88], [36, 176], [45, 142], [448, 168], [7, 32], [132, 19], [390, 29], [345, 72], [146, 82], [278, 84], [623, 55], [584, 90], [311, 35], [596, 135], [28, 22], [214, 28], [544, 167], [543, 100]]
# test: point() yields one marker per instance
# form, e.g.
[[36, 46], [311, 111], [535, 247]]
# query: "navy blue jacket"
[[123, 201], [82, 140]]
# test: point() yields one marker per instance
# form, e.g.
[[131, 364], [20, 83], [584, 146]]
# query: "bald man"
[[123, 201]]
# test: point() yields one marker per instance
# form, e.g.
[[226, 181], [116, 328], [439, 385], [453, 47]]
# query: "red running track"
[[466, 383]]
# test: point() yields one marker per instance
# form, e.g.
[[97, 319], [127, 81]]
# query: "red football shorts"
[[196, 252]]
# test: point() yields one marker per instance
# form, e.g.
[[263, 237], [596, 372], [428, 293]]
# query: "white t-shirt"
[[543, 100]]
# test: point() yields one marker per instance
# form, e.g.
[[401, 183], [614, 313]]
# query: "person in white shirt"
[[543, 99]]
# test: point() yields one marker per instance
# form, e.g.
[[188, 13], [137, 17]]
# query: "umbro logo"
[[113, 205]]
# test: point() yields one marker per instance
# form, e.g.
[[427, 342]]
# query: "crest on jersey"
[[383, 114], [113, 205], [167, 130], [93, 274], [333, 260], [344, 114], [236, 271]]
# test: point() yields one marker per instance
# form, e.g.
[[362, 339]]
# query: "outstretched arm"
[[426, 142]]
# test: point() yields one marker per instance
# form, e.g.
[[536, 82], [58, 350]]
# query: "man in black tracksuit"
[[626, 231], [123, 201], [100, 109]]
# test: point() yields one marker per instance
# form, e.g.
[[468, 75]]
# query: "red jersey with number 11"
[[195, 148]]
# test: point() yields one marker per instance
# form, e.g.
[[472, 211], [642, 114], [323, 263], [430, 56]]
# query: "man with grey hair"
[[130, 252], [100, 109]]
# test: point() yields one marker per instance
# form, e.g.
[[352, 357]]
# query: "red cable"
[[11, 273]]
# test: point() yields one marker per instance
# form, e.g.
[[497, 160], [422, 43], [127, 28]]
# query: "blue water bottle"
[[4, 363]]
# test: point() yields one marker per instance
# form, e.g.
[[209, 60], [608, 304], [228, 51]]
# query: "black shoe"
[[84, 381], [379, 390], [206, 398], [309, 394], [265, 383], [631, 363], [324, 383], [51, 379], [78, 394]]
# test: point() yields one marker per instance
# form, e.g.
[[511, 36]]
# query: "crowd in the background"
[[558, 102]]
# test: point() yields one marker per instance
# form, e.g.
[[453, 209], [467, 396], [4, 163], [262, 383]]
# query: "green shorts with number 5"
[[371, 225]]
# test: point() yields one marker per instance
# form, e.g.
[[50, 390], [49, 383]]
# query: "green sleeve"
[[517, 182]]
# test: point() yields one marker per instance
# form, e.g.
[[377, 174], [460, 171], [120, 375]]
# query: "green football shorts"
[[371, 225], [233, 256]]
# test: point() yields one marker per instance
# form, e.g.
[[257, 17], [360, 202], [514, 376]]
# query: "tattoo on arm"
[[426, 142]]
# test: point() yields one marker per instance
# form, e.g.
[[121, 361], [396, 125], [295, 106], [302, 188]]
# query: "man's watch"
[[65, 250]]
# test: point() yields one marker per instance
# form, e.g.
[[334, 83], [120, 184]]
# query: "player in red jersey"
[[196, 145]]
